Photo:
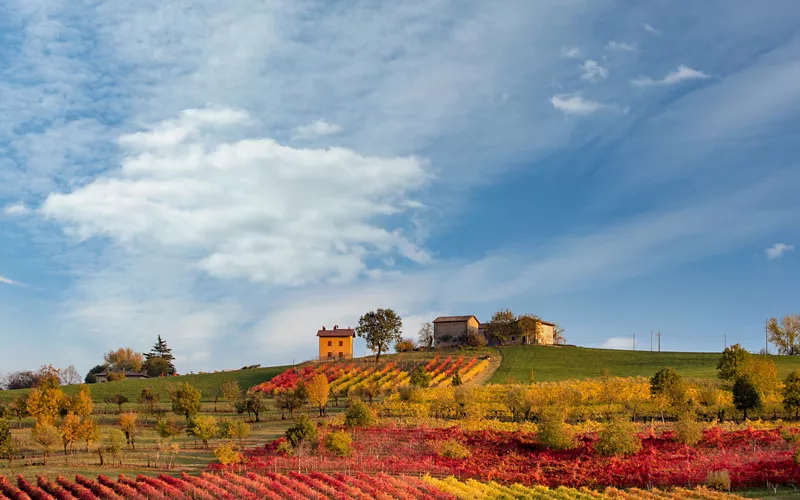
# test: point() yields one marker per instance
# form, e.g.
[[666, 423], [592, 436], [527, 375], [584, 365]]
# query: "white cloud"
[[777, 250], [618, 343], [575, 104], [621, 46], [571, 52], [682, 74], [251, 208], [651, 30], [315, 129], [593, 72], [9, 281], [16, 209]]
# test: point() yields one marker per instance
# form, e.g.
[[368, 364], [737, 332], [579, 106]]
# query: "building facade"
[[336, 343], [450, 331]]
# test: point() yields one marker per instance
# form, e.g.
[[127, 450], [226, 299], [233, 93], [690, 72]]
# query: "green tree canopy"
[[745, 395], [161, 351], [185, 400], [730, 364], [502, 326], [380, 329], [791, 393]]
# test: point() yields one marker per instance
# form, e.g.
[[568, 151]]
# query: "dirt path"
[[483, 377]]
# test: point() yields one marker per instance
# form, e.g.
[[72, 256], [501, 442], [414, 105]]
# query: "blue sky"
[[233, 175]]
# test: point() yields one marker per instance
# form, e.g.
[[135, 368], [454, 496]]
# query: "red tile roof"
[[453, 319], [338, 332]]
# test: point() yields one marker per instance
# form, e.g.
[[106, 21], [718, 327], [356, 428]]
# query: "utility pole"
[[651, 340], [766, 336], [726, 341], [659, 341], [634, 341]]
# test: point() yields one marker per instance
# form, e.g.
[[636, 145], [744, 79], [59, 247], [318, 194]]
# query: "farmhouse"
[[129, 375], [450, 331], [336, 343]]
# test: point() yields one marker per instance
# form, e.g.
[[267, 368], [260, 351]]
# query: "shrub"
[[338, 443], [303, 431], [668, 383], [404, 345], [554, 432], [452, 449], [410, 394], [420, 377], [456, 381], [358, 415], [227, 455], [475, 338], [796, 456], [688, 430], [618, 437], [791, 436], [285, 448], [719, 480]]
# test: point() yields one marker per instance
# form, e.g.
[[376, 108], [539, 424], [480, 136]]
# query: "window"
[[330, 354], [330, 343], [341, 343], [341, 354]]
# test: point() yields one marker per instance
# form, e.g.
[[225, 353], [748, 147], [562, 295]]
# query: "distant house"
[[336, 343], [103, 376], [449, 331]]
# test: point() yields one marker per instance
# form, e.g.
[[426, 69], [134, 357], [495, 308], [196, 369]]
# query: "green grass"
[[208, 383], [561, 363]]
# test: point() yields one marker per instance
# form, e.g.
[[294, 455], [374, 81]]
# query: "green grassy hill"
[[208, 383], [561, 363]]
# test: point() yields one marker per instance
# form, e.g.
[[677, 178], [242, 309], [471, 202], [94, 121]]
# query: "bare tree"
[[70, 376], [786, 334], [426, 336]]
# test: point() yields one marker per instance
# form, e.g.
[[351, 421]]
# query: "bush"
[[285, 448], [452, 449], [719, 480], [791, 436], [404, 345], [338, 443], [475, 338], [554, 432], [456, 381], [687, 430], [420, 377], [303, 431], [618, 437], [227, 455], [411, 394], [358, 415]]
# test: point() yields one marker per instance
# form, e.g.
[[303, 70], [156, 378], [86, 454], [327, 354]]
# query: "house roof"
[[453, 319], [128, 374], [337, 332], [546, 323]]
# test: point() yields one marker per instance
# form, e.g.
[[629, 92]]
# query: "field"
[[208, 383], [483, 439], [562, 363]]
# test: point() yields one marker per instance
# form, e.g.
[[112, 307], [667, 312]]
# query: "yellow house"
[[336, 343]]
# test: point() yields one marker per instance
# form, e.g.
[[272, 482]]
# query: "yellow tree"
[[127, 421], [318, 392], [124, 359], [763, 373], [70, 430], [46, 435], [81, 402], [44, 403], [89, 432], [785, 334]]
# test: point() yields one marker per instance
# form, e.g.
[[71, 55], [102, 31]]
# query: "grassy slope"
[[560, 363], [208, 383]]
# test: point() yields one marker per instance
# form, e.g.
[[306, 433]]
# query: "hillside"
[[560, 363], [208, 383]]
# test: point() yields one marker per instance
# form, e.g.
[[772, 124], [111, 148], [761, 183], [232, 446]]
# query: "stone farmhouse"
[[449, 331]]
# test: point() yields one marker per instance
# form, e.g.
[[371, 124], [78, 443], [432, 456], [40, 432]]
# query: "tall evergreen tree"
[[162, 352]]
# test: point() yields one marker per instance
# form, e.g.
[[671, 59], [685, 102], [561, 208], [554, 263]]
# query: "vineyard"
[[349, 377], [312, 486], [752, 457]]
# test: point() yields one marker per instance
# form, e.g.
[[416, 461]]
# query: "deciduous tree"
[[231, 391], [124, 359], [380, 329], [502, 326], [426, 336], [404, 345], [791, 393], [150, 398], [81, 402], [46, 435], [70, 376], [127, 423], [70, 430], [288, 399], [731, 362], [91, 377], [745, 395], [785, 334], [319, 391], [185, 400], [204, 428]]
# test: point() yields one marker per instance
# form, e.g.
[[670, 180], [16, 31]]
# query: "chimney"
[[335, 327], [323, 328]]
